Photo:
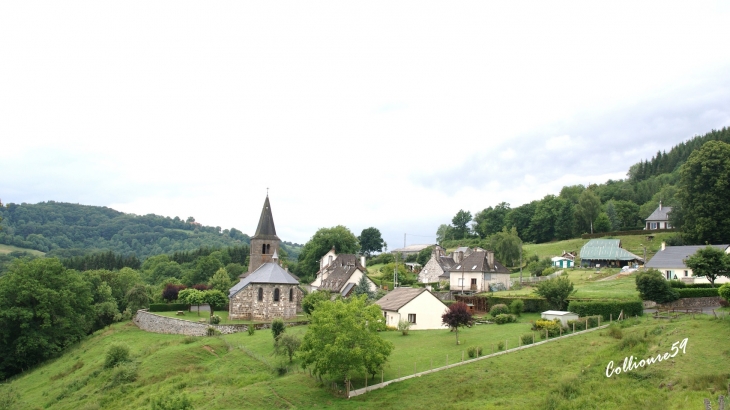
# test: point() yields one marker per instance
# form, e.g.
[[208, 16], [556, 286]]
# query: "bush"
[[172, 401], [251, 329], [500, 346], [277, 327], [527, 338], [498, 309], [724, 291], [404, 326], [652, 286], [697, 293], [168, 307], [580, 324], [116, 354], [607, 309], [615, 331], [124, 373], [505, 318], [516, 307], [472, 352], [215, 319], [211, 331], [552, 326], [677, 284]]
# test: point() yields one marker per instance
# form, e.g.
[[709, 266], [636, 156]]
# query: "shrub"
[[172, 401], [390, 328], [498, 309], [531, 303], [578, 325], [124, 373], [505, 318], [615, 331], [607, 309], [677, 284], [404, 326], [479, 350], [652, 286], [211, 331], [472, 352], [116, 354], [552, 326], [724, 291], [500, 346], [215, 319], [697, 293], [251, 329], [527, 338], [516, 307], [277, 327]]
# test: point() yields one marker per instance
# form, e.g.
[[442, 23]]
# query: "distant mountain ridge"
[[66, 230]]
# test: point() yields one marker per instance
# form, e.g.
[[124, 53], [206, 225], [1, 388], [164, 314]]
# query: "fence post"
[[586, 324], [547, 335], [366, 380], [610, 318], [381, 376], [573, 327]]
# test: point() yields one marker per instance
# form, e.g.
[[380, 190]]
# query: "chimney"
[[362, 261], [490, 259], [664, 245], [458, 256], [660, 208]]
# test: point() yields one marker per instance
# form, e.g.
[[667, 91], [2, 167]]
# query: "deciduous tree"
[[588, 207], [371, 241], [457, 316], [555, 291], [460, 222], [652, 286], [323, 240], [709, 262], [342, 340]]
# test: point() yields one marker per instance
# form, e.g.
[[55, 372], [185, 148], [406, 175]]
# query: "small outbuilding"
[[564, 317], [562, 262]]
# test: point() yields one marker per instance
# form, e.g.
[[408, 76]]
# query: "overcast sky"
[[386, 114]]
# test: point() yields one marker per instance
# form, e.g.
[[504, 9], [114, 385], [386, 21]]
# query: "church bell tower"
[[265, 242]]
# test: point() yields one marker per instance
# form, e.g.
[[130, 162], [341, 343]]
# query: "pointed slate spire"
[[266, 229]]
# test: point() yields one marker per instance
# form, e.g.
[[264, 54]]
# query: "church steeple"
[[265, 243], [266, 228]]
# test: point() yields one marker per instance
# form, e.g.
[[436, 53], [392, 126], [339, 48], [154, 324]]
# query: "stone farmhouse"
[[465, 269], [267, 291], [341, 273]]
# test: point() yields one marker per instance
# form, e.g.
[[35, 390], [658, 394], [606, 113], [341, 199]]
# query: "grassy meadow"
[[238, 371], [5, 249]]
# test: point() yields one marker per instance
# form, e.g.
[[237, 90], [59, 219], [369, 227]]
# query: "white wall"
[[428, 310], [355, 278]]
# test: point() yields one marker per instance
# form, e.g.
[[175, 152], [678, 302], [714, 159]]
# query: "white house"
[[477, 272], [659, 219], [562, 262], [670, 262], [564, 317], [416, 305], [341, 273]]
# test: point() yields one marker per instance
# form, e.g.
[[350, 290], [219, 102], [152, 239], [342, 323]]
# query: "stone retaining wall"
[[693, 303], [151, 322]]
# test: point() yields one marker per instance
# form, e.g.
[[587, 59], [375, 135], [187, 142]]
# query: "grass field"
[[5, 249], [235, 371], [586, 286]]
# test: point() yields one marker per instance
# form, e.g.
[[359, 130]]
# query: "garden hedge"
[[681, 285], [168, 307], [532, 304], [607, 308], [697, 293]]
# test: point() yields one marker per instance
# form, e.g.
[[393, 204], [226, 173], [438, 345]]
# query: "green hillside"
[[237, 371]]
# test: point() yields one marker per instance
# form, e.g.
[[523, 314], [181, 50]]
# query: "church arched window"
[[268, 248], [276, 295], [263, 248], [291, 295], [261, 294]]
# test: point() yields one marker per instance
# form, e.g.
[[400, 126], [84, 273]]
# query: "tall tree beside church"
[[371, 241], [339, 237], [704, 192]]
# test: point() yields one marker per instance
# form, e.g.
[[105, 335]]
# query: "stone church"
[[267, 291]]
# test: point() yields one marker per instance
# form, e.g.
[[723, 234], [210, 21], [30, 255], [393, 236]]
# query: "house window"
[[653, 225], [669, 274], [686, 273], [261, 294], [276, 295], [412, 318], [461, 281], [291, 295]]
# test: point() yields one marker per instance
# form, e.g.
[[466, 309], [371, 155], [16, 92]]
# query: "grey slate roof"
[[266, 228], [607, 250], [269, 272], [660, 214], [673, 256], [398, 297], [475, 262]]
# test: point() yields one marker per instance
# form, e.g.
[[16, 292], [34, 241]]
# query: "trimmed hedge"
[[168, 307], [607, 308], [697, 293], [681, 285], [531, 304]]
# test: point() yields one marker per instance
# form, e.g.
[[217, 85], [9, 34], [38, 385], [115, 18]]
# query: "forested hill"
[[66, 230]]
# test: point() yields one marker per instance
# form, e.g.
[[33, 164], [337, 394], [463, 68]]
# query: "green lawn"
[[5, 249], [235, 371], [587, 286]]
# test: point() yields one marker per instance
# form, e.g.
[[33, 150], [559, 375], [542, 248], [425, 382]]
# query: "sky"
[[394, 115]]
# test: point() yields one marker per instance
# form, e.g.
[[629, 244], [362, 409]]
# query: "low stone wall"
[[693, 303], [151, 322]]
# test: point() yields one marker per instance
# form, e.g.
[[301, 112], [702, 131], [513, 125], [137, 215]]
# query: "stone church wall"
[[151, 322], [245, 304]]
